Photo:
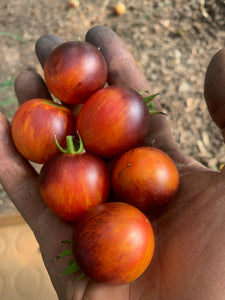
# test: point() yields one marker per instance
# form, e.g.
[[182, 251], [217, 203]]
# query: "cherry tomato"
[[112, 121], [73, 182], [75, 70], [34, 125], [113, 243], [145, 177]]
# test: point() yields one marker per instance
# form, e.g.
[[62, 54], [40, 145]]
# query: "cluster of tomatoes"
[[113, 240]]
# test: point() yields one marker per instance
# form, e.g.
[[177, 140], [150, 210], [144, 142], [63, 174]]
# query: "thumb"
[[214, 89], [124, 70]]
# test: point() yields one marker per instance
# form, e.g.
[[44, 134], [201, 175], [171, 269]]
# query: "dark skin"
[[189, 257]]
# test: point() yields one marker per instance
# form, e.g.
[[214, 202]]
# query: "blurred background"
[[172, 40]]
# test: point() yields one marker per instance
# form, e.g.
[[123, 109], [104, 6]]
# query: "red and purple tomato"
[[112, 121], [113, 243], [145, 177], [70, 184], [75, 70], [34, 126]]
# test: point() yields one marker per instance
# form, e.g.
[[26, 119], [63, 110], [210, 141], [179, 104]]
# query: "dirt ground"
[[173, 41]]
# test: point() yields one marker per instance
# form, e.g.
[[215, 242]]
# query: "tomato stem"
[[82, 275], [144, 91], [71, 268], [150, 98], [70, 147], [65, 253], [81, 145], [58, 145], [149, 102], [66, 241]]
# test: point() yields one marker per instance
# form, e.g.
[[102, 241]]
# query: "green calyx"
[[72, 265], [73, 146], [149, 101]]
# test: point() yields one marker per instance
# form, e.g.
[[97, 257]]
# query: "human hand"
[[189, 256]]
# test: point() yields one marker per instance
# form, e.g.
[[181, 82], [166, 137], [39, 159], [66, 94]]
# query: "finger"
[[20, 181], [29, 85], [123, 70], [17, 176], [214, 88], [45, 45], [43, 48]]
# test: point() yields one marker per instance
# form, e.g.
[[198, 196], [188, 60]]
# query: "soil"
[[173, 41]]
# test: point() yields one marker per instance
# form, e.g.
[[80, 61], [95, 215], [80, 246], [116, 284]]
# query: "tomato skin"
[[113, 243], [75, 70], [34, 125], [112, 121], [145, 177], [70, 184]]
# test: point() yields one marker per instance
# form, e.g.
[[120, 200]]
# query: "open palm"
[[189, 258]]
